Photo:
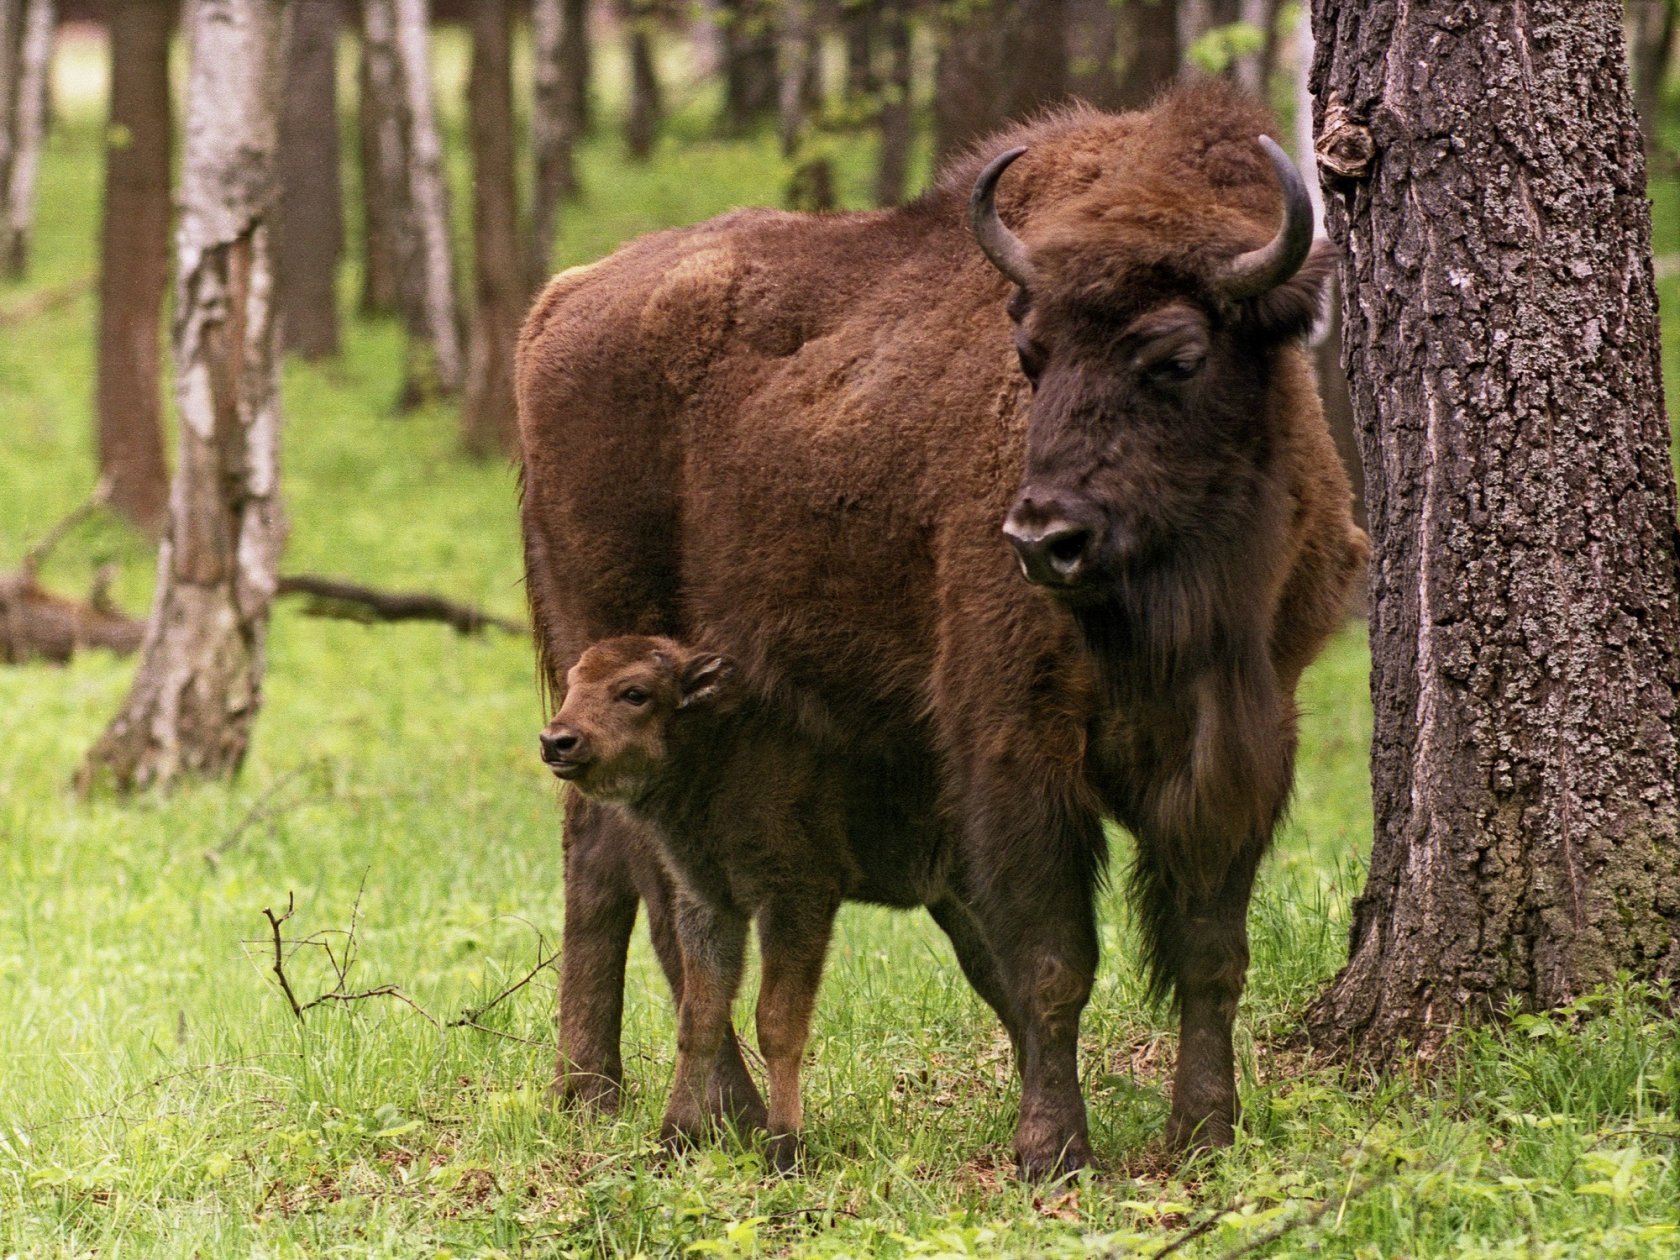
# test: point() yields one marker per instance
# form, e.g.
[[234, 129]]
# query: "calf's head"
[[1147, 324], [625, 701]]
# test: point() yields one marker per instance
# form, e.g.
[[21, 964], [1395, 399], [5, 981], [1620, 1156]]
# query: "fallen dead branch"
[[333, 597]]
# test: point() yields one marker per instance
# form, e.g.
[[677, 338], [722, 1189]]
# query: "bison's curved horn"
[[1251, 274], [997, 242]]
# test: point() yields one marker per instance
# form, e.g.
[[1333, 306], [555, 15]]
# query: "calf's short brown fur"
[[753, 823], [799, 439]]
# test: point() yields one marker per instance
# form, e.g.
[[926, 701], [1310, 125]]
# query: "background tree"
[[310, 234], [26, 45], [1501, 339], [1651, 26], [897, 96], [646, 107], [414, 211], [199, 683], [134, 262], [1149, 38], [488, 415], [747, 41], [559, 88], [996, 62]]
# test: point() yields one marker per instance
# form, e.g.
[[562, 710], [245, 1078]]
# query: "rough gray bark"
[[310, 233], [134, 263], [1501, 339], [199, 682], [488, 419], [556, 122], [24, 125]]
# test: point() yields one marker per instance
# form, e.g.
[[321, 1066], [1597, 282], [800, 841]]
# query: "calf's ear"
[[1290, 309], [704, 678]]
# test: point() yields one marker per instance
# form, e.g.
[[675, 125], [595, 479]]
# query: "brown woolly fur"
[[796, 439]]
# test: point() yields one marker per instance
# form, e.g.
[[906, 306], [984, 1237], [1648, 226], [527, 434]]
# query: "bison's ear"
[[1290, 309], [704, 679]]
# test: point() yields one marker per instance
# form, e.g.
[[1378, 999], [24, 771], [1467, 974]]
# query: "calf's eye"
[[634, 695], [1177, 369]]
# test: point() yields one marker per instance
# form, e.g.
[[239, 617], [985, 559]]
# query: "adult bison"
[[831, 445]]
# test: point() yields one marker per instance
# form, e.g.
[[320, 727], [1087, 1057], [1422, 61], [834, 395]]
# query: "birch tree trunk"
[[378, 135], [1501, 340], [488, 419], [310, 233], [556, 123], [134, 262], [28, 130], [199, 683]]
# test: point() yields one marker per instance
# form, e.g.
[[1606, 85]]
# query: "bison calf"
[[752, 824]]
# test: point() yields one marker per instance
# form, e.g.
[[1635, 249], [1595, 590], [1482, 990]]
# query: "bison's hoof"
[[681, 1135], [1046, 1163], [787, 1153], [1189, 1136], [587, 1090]]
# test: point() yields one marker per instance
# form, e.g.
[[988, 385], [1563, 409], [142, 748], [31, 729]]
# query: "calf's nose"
[[561, 744], [1054, 546]]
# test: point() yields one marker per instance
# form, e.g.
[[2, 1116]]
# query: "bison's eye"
[[1031, 355], [1176, 369], [633, 695]]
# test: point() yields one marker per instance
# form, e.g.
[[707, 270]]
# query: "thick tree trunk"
[[310, 234], [748, 38], [1152, 50], [488, 417], [408, 156], [134, 263], [556, 123], [1501, 339], [897, 100], [27, 131], [199, 683], [646, 109], [997, 62]]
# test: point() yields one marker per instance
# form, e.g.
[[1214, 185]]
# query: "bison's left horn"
[[997, 242], [1259, 270]]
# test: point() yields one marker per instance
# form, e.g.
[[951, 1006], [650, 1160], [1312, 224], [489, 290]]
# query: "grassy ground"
[[157, 1096]]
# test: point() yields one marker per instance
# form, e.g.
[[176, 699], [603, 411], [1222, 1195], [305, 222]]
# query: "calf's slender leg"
[[714, 941], [600, 913], [793, 936], [974, 956], [1036, 912], [730, 1091]]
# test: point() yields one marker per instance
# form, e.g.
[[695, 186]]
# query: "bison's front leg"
[[1036, 912], [793, 939], [714, 942], [600, 913]]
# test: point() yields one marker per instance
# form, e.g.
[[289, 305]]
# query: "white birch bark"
[[28, 133], [551, 141], [199, 683]]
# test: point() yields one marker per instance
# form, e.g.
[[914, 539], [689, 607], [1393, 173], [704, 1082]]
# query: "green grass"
[[157, 1097]]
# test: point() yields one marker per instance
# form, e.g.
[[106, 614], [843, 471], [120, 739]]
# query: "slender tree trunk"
[[1501, 340], [378, 137], [998, 62], [1155, 52], [1094, 52], [1652, 24], [11, 47], [748, 37], [134, 262], [556, 123], [488, 417], [310, 232], [642, 120], [577, 65], [796, 60], [859, 30], [199, 683], [28, 116], [408, 154], [897, 101]]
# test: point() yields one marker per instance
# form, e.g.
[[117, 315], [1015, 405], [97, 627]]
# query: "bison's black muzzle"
[[1056, 547], [565, 752]]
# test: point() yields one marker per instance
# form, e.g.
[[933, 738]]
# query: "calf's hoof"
[[589, 1091], [787, 1153], [732, 1097]]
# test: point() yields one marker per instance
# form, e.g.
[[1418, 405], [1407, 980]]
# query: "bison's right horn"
[[997, 242], [1261, 270]]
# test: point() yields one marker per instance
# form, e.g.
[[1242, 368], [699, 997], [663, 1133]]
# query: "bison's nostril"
[[1067, 550], [556, 746]]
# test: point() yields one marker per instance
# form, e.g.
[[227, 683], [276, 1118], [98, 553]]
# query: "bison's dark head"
[[1148, 329]]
